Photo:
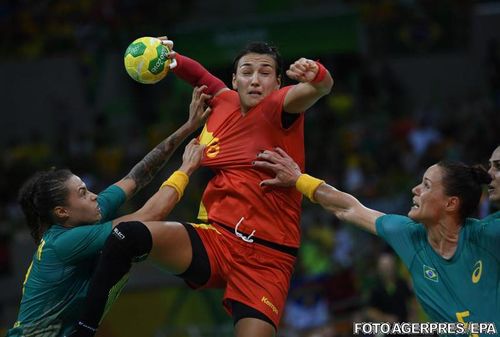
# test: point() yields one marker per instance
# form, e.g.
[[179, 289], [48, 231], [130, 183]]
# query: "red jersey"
[[233, 142]]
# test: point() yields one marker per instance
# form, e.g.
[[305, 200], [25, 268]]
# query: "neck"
[[443, 237]]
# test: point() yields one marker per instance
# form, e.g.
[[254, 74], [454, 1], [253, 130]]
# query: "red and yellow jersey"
[[233, 142]]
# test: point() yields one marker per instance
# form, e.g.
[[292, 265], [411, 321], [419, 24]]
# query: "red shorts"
[[251, 273]]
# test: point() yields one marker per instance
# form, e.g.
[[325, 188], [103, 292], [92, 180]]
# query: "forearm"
[[196, 75], [343, 205], [146, 169], [303, 95], [158, 207], [335, 201]]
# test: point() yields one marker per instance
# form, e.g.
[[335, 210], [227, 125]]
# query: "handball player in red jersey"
[[249, 235]]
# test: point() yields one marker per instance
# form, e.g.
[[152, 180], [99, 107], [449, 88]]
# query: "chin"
[[412, 215]]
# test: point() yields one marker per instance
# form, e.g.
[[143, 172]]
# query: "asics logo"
[[478, 270]]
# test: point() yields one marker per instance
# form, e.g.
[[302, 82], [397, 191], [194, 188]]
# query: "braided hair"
[[39, 195], [465, 182]]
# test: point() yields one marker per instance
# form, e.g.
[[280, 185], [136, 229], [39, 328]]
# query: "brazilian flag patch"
[[431, 274]]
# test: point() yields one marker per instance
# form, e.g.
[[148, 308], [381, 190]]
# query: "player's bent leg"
[[172, 247], [249, 322], [129, 241]]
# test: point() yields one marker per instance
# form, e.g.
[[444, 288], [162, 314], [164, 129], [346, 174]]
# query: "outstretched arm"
[[343, 205], [315, 82], [193, 72], [144, 171]]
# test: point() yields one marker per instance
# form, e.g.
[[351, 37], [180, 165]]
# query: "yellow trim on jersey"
[[39, 250], [202, 213], [212, 143], [27, 275], [204, 226]]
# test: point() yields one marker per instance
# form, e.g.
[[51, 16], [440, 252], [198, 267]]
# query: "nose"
[[491, 173], [93, 196], [416, 190], [255, 79]]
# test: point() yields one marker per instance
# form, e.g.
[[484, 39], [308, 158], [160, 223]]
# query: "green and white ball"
[[146, 60]]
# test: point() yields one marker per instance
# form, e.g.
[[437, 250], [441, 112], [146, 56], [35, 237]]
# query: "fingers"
[[166, 42], [171, 55], [270, 156], [264, 164], [270, 182], [206, 113], [302, 70], [172, 64], [282, 153], [193, 141], [198, 94]]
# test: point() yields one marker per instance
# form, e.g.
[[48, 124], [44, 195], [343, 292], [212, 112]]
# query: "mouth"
[[415, 204], [491, 189], [254, 94]]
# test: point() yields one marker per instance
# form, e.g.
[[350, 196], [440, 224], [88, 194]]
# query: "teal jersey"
[[465, 288], [57, 280], [492, 216]]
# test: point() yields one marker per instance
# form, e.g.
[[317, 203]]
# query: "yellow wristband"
[[178, 181], [307, 185]]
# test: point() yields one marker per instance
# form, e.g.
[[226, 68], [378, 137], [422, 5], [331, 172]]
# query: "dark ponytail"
[[465, 182], [480, 174], [39, 195]]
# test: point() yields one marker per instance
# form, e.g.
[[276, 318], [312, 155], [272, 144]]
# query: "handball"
[[146, 60]]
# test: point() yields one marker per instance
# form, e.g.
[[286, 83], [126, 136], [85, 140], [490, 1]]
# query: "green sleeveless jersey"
[[57, 280], [465, 288]]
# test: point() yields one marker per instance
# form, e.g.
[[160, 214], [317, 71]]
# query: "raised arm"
[[315, 82], [342, 205], [193, 72], [144, 171], [171, 191]]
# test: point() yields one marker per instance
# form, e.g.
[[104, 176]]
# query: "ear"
[[61, 212], [453, 204], [235, 87], [278, 79]]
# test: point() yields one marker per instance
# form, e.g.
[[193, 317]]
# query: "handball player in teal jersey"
[[70, 225], [453, 260]]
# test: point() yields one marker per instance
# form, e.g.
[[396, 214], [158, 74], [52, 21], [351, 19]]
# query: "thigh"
[[251, 327], [171, 245]]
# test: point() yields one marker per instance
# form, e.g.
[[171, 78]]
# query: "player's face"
[[429, 199], [255, 79], [81, 207], [494, 171]]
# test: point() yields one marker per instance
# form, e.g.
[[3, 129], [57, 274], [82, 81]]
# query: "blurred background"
[[416, 81]]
